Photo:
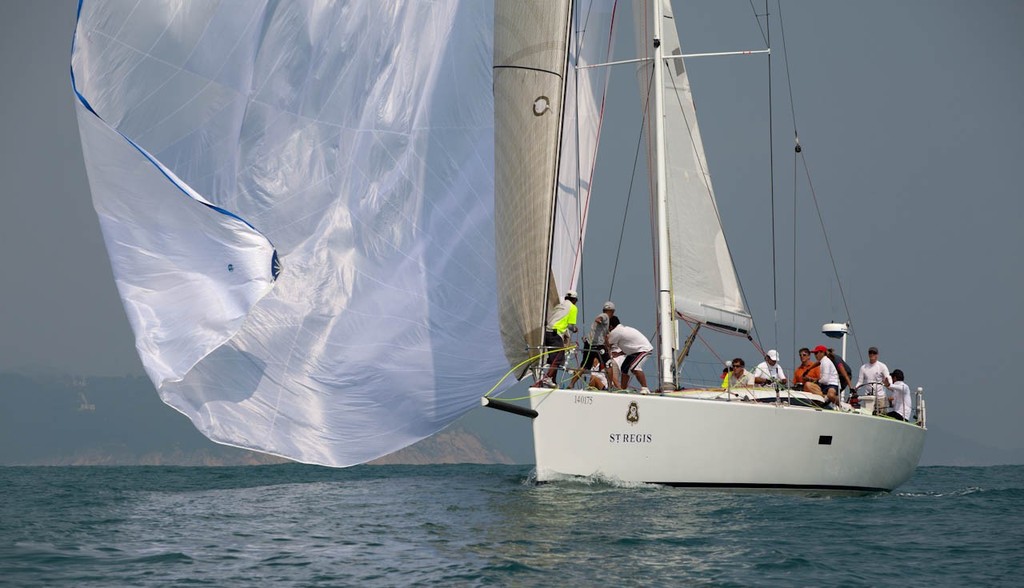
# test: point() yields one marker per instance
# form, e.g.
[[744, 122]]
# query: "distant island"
[[58, 420]]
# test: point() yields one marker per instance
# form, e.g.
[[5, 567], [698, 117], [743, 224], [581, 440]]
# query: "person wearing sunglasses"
[[739, 377]]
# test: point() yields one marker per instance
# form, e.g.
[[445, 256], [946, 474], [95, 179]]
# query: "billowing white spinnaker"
[[355, 140]]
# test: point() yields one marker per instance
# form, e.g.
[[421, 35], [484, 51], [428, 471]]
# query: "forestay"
[[355, 140]]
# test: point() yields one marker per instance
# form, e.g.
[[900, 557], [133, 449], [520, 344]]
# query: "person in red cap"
[[828, 379]]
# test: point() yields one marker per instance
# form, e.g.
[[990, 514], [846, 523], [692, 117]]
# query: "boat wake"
[[593, 480]]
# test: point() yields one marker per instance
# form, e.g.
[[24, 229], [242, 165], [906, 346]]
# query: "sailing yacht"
[[547, 89]]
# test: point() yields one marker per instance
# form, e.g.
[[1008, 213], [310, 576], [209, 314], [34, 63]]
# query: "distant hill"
[[58, 419], [453, 445], [47, 418]]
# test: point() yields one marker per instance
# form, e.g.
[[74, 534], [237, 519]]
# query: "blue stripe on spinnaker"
[[275, 264]]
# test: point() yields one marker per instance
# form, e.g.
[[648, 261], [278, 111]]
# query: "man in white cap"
[[769, 370]]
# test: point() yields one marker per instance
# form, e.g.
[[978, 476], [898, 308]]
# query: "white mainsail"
[[704, 285], [547, 122], [354, 139]]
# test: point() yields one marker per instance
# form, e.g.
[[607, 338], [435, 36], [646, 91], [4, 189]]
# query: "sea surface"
[[471, 525]]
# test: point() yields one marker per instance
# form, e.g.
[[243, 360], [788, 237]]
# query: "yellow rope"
[[521, 364], [529, 396]]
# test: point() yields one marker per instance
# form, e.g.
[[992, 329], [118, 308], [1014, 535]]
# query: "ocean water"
[[469, 525]]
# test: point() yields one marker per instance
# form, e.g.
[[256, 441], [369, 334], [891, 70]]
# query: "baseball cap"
[[820, 348], [873, 350], [571, 294], [773, 355], [609, 305]]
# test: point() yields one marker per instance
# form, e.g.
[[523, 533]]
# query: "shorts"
[[553, 340], [591, 352], [634, 362]]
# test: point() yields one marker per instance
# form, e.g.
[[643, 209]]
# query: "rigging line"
[[757, 18], [549, 276], [710, 348], [797, 149], [652, 150], [828, 246], [578, 261], [799, 155], [771, 177], [652, 175], [789, 80], [705, 175], [629, 193], [521, 364], [583, 211], [795, 234]]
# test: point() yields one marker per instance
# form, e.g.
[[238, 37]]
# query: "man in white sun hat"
[[769, 370]]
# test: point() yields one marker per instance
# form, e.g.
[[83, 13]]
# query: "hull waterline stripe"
[[739, 486]]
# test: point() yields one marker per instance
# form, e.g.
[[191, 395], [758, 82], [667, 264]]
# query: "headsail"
[[356, 140], [547, 120], [704, 283]]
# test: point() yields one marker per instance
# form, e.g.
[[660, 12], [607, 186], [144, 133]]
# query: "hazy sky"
[[911, 120]]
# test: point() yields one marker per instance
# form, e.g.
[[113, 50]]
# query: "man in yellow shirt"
[[561, 321]]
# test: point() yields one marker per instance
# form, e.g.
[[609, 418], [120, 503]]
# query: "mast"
[[665, 325]]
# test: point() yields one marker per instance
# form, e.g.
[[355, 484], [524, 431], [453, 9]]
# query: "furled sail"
[[704, 283], [297, 201], [547, 122]]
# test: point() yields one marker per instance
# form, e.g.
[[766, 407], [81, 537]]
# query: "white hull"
[[687, 441]]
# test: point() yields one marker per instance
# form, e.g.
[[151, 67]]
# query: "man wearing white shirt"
[[875, 374], [899, 397], [769, 370], [829, 378], [636, 347], [739, 377]]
